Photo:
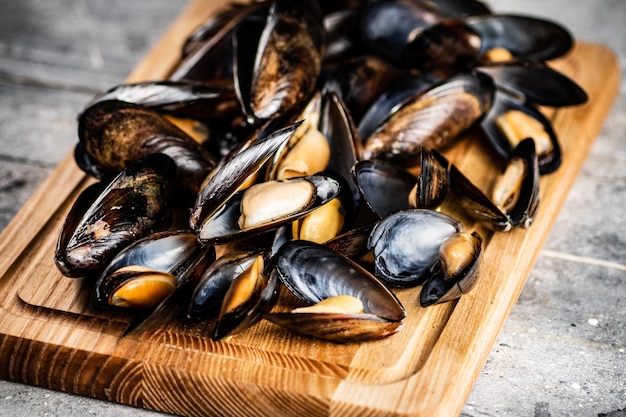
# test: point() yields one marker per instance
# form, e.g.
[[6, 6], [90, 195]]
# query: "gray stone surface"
[[562, 351]]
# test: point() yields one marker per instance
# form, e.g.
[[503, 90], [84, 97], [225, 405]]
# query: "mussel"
[[113, 134], [150, 270], [406, 244], [106, 217], [287, 63], [456, 270], [434, 118], [315, 273], [267, 206], [251, 294]]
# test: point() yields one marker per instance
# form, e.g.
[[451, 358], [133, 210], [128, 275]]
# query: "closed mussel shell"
[[114, 134], [105, 218]]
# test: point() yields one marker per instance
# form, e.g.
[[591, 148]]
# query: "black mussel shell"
[[287, 62], [249, 297], [387, 27], [448, 45], [523, 213], [180, 98], [212, 286], [226, 226], [406, 244], [106, 218], [525, 37], [442, 286], [431, 187], [343, 35], [337, 327], [390, 100], [208, 52], [225, 180], [476, 204], [434, 119], [314, 272], [536, 82], [359, 81], [385, 187], [548, 148], [115, 134], [463, 7], [167, 253]]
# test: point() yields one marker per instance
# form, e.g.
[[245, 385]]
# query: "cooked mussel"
[[114, 134], [456, 270], [267, 206], [215, 281], [315, 273], [251, 294], [406, 244], [225, 180], [514, 199], [145, 273], [433, 119], [106, 217], [288, 60]]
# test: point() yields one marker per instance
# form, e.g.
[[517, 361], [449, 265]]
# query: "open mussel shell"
[[114, 134], [524, 185], [288, 59], [433, 119], [314, 272], [215, 281], [405, 244], [109, 216], [511, 120], [476, 203], [180, 98], [267, 206], [525, 37], [385, 187], [251, 294], [515, 196], [536, 82], [456, 271], [327, 140], [224, 181], [147, 272]]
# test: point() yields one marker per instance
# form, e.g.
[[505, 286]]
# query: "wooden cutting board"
[[50, 337]]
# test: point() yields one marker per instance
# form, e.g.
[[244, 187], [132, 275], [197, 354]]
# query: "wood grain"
[[50, 337]]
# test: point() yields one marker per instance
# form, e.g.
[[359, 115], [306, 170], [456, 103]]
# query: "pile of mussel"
[[293, 166]]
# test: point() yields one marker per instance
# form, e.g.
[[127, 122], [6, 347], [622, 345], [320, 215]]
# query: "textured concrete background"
[[562, 350]]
